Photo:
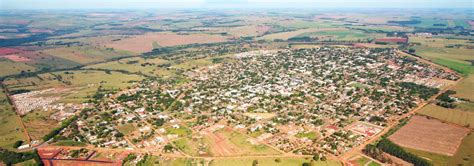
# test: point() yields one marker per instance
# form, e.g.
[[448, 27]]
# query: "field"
[[84, 55], [10, 67], [342, 34], [81, 83], [271, 162], [464, 155], [11, 131], [144, 43], [434, 49], [226, 142], [39, 124], [464, 89], [457, 116], [136, 65], [290, 34], [422, 133]]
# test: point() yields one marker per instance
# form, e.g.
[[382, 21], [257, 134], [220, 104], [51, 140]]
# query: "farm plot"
[[422, 133], [144, 43]]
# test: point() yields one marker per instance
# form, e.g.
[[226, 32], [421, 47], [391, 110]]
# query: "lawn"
[[11, 130], [271, 162]]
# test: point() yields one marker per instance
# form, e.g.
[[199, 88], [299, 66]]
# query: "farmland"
[[457, 116], [430, 132]]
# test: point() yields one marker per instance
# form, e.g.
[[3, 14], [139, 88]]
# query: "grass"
[[39, 124], [181, 162], [126, 128], [11, 67], [11, 131], [245, 146], [134, 65], [69, 143], [85, 54], [344, 34], [450, 115], [191, 146], [272, 162], [464, 89], [181, 131], [465, 153], [309, 135], [435, 159]]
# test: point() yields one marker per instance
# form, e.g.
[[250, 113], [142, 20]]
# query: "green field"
[[346, 35], [11, 68], [10, 131], [272, 162]]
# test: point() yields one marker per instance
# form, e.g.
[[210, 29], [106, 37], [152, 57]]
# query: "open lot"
[[422, 133]]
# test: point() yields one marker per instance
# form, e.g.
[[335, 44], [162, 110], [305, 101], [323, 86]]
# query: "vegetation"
[[395, 150], [9, 157], [57, 130]]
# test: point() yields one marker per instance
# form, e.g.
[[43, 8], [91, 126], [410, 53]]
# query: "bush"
[[18, 144]]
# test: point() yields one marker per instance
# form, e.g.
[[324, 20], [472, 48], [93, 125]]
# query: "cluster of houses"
[[327, 91]]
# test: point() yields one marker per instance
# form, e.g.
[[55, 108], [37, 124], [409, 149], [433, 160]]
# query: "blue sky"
[[81, 4]]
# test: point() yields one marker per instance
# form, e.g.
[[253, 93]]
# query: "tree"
[[316, 157], [306, 164], [17, 143], [255, 163]]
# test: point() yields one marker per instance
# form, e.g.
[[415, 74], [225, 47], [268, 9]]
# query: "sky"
[[124, 4]]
